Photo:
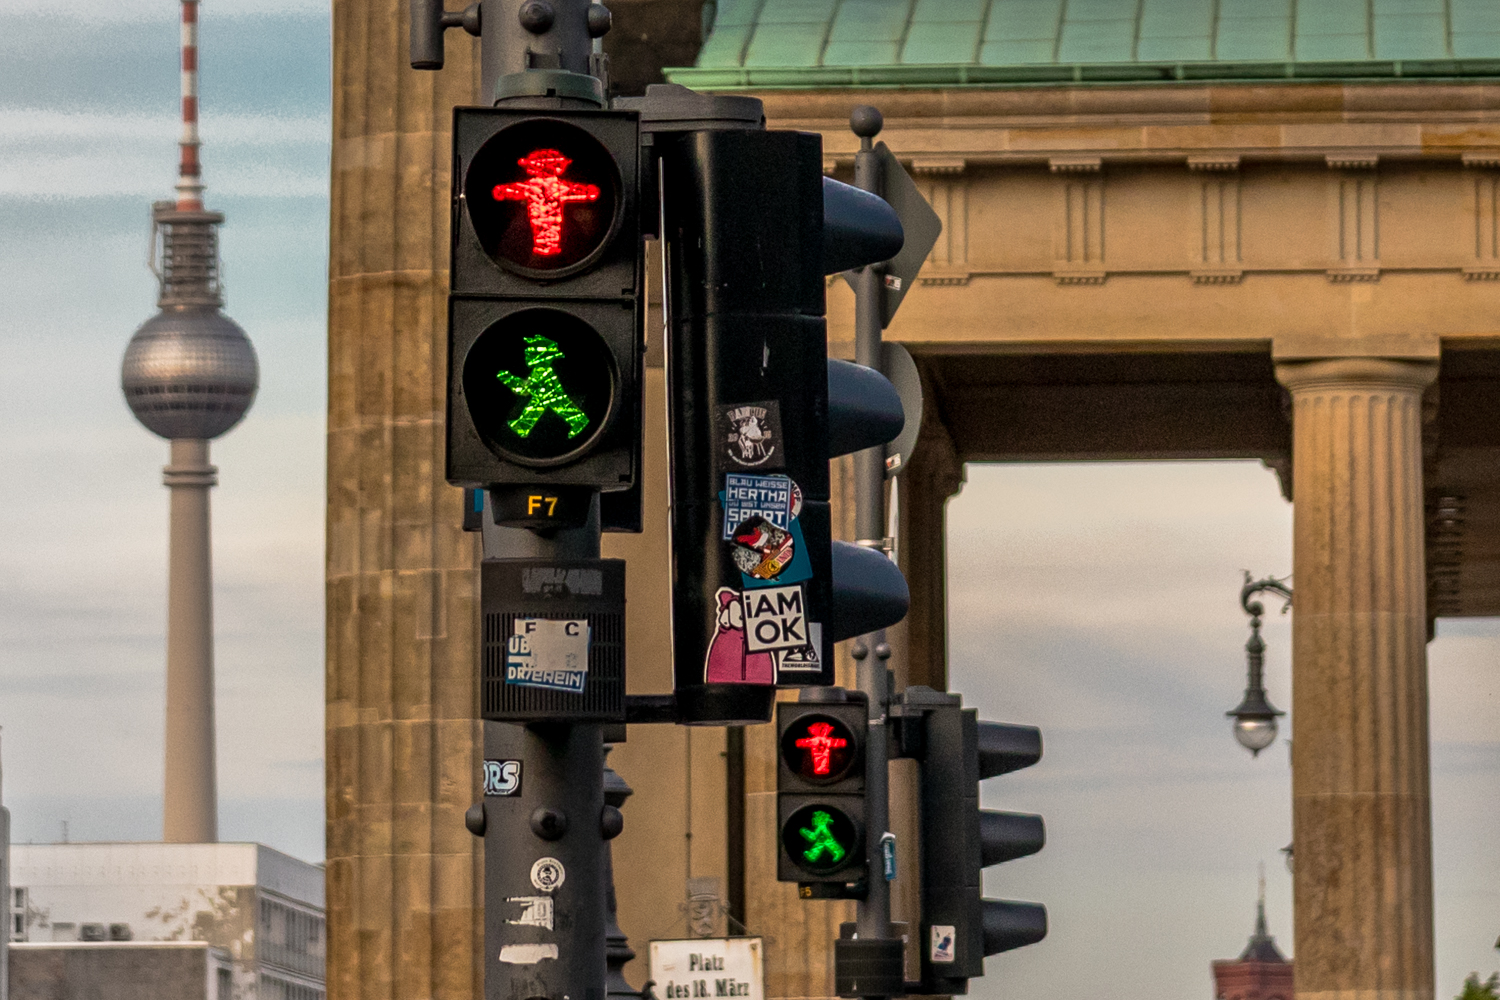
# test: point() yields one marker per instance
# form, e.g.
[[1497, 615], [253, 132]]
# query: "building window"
[[276, 988], [224, 985], [290, 938], [17, 914]]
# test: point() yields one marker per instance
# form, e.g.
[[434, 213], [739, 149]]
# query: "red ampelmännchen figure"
[[545, 192]]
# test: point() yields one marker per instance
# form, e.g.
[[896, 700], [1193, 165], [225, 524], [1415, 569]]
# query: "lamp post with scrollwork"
[[1254, 717]]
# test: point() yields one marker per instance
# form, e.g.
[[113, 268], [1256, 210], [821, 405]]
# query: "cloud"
[[52, 154], [115, 11]]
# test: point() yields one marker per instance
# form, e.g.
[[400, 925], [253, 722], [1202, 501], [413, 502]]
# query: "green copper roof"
[[822, 43]]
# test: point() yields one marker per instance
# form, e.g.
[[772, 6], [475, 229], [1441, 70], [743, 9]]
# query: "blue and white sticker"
[[549, 653], [502, 778], [943, 947], [775, 498]]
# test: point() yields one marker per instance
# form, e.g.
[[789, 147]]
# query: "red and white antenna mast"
[[189, 184]]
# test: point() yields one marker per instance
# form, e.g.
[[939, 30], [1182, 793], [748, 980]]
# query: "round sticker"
[[547, 874]]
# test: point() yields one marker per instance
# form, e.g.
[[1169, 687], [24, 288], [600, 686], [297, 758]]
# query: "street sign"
[[920, 224], [897, 365], [712, 968]]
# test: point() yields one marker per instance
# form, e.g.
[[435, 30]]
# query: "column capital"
[[1349, 373]]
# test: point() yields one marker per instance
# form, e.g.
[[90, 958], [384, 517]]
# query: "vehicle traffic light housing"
[[545, 308], [956, 751], [752, 226], [820, 792]]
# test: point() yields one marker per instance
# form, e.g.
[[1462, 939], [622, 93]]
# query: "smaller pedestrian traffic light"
[[820, 792], [545, 319], [956, 751]]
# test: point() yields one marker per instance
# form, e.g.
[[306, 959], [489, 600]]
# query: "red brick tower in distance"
[[1261, 972]]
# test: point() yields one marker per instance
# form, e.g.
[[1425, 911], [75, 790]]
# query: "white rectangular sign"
[[709, 968]]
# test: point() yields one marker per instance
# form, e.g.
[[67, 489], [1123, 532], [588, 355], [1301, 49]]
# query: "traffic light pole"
[[871, 651], [544, 816]]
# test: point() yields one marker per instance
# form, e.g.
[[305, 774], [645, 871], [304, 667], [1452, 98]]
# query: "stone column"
[[404, 875], [190, 803], [1360, 800]]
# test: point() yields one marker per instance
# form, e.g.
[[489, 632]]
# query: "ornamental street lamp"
[[1254, 717]]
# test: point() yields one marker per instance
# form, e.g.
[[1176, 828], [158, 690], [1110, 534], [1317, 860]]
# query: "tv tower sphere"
[[190, 371]]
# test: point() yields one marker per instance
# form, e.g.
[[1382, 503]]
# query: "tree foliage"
[[1475, 989]]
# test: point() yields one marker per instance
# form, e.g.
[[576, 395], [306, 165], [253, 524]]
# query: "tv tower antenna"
[[189, 375]]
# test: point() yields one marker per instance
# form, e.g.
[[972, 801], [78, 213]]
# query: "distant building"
[[262, 909], [123, 970], [1261, 972]]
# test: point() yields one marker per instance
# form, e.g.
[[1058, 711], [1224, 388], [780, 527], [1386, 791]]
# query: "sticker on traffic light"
[[821, 839], [544, 197], [540, 386], [819, 749]]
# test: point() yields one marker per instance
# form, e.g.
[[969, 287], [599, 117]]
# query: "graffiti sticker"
[[502, 778]]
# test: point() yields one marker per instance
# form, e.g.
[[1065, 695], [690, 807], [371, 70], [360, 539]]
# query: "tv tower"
[[189, 375]]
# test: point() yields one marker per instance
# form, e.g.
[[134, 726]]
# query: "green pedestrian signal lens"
[[542, 391], [540, 386], [821, 838]]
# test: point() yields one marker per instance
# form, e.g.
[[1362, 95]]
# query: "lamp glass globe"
[[1255, 734]]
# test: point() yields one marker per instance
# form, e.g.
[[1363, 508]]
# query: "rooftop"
[[806, 44]]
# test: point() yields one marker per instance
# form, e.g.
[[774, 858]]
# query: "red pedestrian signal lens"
[[543, 197], [819, 748]]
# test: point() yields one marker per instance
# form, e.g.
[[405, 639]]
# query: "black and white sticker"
[[751, 433], [775, 618], [502, 778], [547, 874], [804, 659]]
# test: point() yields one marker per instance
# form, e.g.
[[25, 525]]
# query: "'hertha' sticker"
[[943, 949], [775, 618], [502, 778], [775, 498], [751, 433]]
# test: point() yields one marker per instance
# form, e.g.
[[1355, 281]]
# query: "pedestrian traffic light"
[[820, 791], [756, 410], [544, 311], [956, 751]]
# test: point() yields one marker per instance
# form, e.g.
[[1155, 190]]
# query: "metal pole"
[[545, 861], [548, 877], [874, 911]]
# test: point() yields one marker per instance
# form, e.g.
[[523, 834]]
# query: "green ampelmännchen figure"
[[542, 389]]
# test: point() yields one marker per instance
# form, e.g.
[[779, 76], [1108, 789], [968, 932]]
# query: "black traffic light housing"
[[545, 308], [956, 751], [758, 598], [820, 793]]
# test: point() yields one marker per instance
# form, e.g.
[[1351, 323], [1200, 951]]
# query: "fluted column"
[[404, 875], [190, 803], [1361, 810]]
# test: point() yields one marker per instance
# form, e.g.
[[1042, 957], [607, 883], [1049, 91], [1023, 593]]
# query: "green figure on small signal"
[[542, 389], [821, 840]]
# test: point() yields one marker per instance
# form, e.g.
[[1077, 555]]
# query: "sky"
[[1098, 602]]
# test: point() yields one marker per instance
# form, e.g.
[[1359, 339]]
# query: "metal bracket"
[[428, 22]]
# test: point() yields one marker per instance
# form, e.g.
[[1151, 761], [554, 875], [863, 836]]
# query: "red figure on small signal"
[[821, 745], [545, 192]]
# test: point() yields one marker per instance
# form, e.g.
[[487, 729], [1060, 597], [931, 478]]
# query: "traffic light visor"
[[544, 198], [819, 749], [540, 386], [821, 839]]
